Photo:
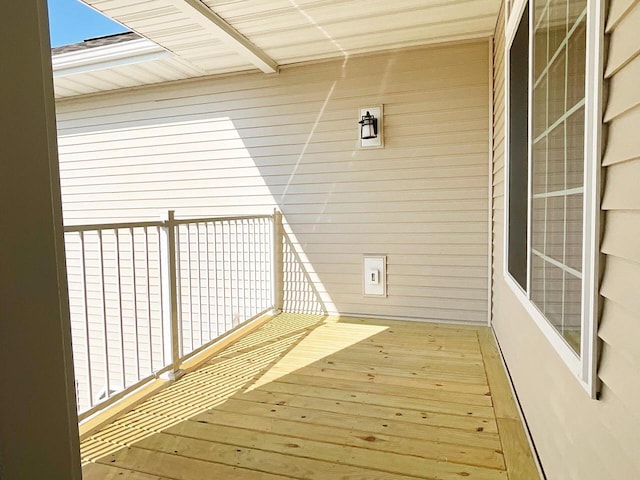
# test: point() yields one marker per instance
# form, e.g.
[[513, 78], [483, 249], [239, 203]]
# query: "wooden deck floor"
[[312, 397]]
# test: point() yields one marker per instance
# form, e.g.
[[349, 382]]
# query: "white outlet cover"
[[371, 264]]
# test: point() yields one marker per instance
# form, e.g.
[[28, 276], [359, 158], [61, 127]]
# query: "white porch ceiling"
[[208, 37]]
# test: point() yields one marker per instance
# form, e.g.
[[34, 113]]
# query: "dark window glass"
[[518, 156]]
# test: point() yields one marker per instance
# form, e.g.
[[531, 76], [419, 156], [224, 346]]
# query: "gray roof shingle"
[[96, 42]]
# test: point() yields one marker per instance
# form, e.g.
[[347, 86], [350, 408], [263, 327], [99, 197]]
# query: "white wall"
[[249, 143]]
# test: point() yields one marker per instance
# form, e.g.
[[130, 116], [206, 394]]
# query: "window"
[[553, 113]]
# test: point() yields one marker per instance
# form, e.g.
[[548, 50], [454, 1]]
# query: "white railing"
[[146, 296]]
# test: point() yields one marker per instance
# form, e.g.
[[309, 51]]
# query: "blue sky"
[[71, 21]]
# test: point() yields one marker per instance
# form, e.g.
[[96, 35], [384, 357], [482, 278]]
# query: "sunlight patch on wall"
[[198, 167]]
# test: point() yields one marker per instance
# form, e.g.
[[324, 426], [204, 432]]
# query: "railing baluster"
[[224, 280], [177, 269], [104, 312], [256, 265], [85, 308], [260, 265], [262, 256], [230, 281], [237, 268], [266, 257], [243, 263], [277, 283], [208, 272], [249, 267], [190, 286], [148, 279], [201, 342], [135, 302], [246, 249], [119, 277], [163, 334], [215, 278]]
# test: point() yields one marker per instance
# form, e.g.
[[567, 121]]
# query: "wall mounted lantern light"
[[370, 122], [368, 126]]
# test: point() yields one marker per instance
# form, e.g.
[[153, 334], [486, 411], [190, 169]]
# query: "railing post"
[[277, 267], [168, 273]]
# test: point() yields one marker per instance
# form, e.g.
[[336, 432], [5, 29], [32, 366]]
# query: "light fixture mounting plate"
[[377, 112]]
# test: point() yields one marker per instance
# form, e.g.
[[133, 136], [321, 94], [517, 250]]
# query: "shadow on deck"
[[317, 397]]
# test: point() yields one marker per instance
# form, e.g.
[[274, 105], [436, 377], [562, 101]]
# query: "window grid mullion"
[[556, 263], [546, 158], [560, 47], [560, 193], [564, 133], [560, 119]]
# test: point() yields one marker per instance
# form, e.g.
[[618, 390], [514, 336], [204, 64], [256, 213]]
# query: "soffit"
[[287, 31]]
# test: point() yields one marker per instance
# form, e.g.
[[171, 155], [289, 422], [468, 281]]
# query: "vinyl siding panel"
[[620, 321], [576, 437], [250, 143]]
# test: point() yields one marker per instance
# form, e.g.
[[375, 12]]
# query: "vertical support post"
[[277, 265], [38, 418], [168, 281]]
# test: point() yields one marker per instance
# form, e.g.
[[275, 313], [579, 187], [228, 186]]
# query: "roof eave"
[[108, 56]]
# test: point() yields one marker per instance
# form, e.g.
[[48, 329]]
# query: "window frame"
[[584, 366]]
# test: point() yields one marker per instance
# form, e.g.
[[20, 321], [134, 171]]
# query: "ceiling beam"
[[215, 24]]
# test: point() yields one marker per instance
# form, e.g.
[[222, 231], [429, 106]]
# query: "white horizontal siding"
[[249, 143]]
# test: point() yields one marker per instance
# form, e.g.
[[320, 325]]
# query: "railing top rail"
[[111, 226], [182, 221], [157, 223]]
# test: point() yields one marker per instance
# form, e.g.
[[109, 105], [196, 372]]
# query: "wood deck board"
[[377, 427], [317, 397], [303, 404], [296, 447], [456, 374], [517, 452], [360, 435], [388, 400], [112, 472], [380, 388]]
